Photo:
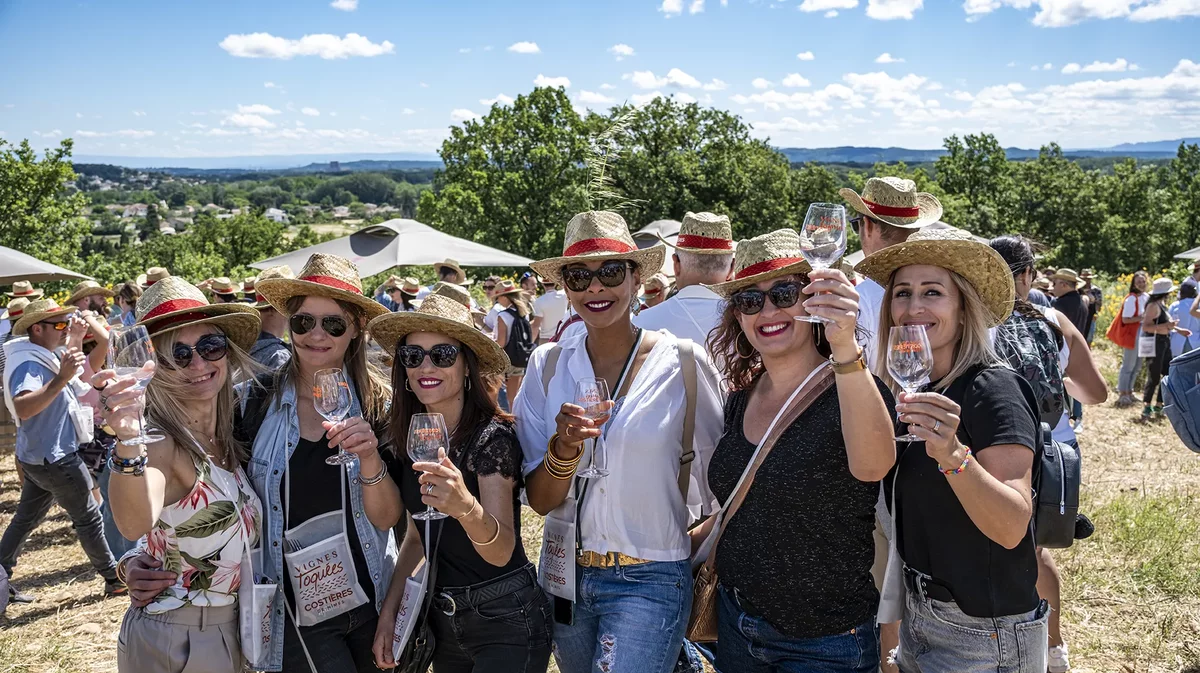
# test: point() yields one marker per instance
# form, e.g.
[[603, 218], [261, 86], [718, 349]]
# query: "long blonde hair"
[[168, 387], [374, 389], [974, 346]]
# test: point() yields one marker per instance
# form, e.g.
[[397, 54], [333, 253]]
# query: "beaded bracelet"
[[960, 468], [130, 466]]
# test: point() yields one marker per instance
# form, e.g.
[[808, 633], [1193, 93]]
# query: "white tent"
[[650, 234], [17, 265], [379, 247], [857, 256], [1193, 254]]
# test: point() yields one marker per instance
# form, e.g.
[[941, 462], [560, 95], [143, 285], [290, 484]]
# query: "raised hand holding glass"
[[592, 395], [822, 240], [331, 398], [131, 354], [909, 361], [427, 442]]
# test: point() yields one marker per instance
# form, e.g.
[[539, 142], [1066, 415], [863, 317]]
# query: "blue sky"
[[187, 78]]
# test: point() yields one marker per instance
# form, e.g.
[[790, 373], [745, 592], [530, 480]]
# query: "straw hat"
[[15, 309], [895, 201], [37, 311], [1069, 276], [173, 303], [248, 285], [24, 288], [954, 250], [599, 235], [460, 278], [506, 287], [654, 287], [89, 288], [260, 302], [223, 285], [762, 258], [442, 315], [1088, 274], [152, 276], [704, 234], [322, 276], [409, 286], [1163, 286]]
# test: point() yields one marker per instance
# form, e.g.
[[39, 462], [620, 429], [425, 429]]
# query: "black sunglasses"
[[610, 274], [855, 223], [211, 347], [441, 355], [783, 294], [303, 323]]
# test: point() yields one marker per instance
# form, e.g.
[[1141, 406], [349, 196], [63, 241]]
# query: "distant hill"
[[373, 165], [260, 163], [1169, 146], [869, 155]]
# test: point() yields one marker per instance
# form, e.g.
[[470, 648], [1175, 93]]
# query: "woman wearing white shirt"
[[1132, 310], [625, 565]]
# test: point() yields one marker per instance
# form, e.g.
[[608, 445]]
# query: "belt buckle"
[[453, 606]]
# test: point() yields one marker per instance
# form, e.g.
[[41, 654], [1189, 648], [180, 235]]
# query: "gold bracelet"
[[856, 365], [475, 501], [494, 537], [558, 468]]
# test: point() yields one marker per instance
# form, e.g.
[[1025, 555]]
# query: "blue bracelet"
[[130, 466]]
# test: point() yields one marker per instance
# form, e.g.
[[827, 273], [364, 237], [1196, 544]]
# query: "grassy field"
[[1132, 594]]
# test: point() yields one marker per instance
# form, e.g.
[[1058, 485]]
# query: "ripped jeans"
[[628, 619]]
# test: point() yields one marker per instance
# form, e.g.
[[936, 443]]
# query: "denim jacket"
[[273, 446]]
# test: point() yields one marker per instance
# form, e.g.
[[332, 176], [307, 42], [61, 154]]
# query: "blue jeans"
[[1076, 410], [937, 637], [338, 645], [1131, 364], [748, 644], [117, 544], [628, 619]]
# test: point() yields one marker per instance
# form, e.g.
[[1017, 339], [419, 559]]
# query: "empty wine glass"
[[427, 442], [822, 240], [592, 395], [131, 354], [331, 397], [910, 362]]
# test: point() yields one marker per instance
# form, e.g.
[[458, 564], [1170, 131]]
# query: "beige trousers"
[[185, 640]]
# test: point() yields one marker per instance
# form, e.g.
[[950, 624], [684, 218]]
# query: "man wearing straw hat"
[[23, 289], [152, 276], [42, 391], [888, 211], [703, 256], [270, 350], [91, 296], [1068, 300], [448, 271]]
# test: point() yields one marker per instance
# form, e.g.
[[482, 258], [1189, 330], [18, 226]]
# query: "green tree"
[[38, 215], [174, 193], [268, 196], [977, 176]]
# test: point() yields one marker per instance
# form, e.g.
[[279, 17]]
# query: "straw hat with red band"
[[173, 303], [704, 234], [15, 309], [895, 201], [248, 285], [445, 315], [599, 235], [152, 276], [657, 284], [37, 311], [322, 276], [24, 289], [260, 302], [763, 258], [223, 285], [89, 288]]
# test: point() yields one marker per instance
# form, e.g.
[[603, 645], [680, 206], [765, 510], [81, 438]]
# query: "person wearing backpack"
[[514, 333], [1157, 322], [1047, 350], [1124, 332], [962, 569]]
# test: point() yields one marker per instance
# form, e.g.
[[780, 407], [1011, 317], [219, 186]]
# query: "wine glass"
[[910, 362], [822, 240], [427, 441], [131, 354], [592, 395], [331, 397]]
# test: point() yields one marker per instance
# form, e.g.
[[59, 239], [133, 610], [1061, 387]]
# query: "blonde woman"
[[159, 491], [511, 307], [963, 500]]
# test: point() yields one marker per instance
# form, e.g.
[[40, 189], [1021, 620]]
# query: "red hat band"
[[330, 281]]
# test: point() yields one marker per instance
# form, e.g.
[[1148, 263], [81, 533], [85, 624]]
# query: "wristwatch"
[[858, 364]]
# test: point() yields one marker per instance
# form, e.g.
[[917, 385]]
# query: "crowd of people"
[[710, 438]]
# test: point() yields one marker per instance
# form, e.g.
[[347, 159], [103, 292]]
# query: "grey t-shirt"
[[50, 435]]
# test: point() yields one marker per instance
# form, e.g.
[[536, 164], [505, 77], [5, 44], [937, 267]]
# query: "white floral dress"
[[202, 538]]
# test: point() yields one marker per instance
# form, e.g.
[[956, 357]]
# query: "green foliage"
[[38, 214]]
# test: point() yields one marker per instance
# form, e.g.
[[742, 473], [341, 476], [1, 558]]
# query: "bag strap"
[[783, 420], [687, 366], [549, 366]]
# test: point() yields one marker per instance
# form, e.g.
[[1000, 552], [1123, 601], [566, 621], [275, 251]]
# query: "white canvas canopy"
[[649, 235], [1193, 254], [857, 256], [379, 247], [16, 265]]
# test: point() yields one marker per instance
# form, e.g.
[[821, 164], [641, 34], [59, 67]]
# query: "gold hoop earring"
[[407, 385], [737, 346], [467, 385]]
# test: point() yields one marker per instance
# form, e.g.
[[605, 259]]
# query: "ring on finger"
[[937, 423], [429, 489]]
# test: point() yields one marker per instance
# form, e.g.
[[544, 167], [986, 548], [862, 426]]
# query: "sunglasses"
[[610, 274], [210, 347], [489, 288], [441, 355], [303, 323], [784, 294], [855, 223], [57, 326]]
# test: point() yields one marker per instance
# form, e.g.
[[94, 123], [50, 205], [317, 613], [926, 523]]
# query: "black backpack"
[[520, 339], [1056, 477]]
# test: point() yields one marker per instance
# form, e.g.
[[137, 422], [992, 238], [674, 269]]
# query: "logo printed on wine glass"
[[907, 347]]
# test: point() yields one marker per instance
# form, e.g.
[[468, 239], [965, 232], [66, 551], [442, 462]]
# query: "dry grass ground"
[[1132, 591]]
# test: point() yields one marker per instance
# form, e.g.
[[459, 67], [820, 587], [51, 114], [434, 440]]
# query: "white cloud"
[[248, 121], [715, 85], [805, 56], [408, 111], [332, 114], [542, 80], [795, 81], [136, 113], [124, 133], [645, 79], [888, 58], [621, 51], [462, 115], [224, 132], [761, 83], [270, 85], [593, 98], [1012, 64], [265, 45], [933, 86], [696, 7], [1058, 13], [1047, 66], [344, 5], [310, 112], [640, 99], [887, 10], [500, 98], [671, 7], [424, 85], [831, 14], [524, 48], [961, 96], [464, 50], [607, 87], [48, 134], [823, 5], [1119, 65], [257, 109], [79, 115]]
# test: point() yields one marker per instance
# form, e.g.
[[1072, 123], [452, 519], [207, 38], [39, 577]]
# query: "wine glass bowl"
[[131, 354], [592, 395], [427, 442], [910, 362], [822, 240], [331, 398]]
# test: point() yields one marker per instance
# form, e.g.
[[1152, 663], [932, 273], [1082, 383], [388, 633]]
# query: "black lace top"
[[493, 450]]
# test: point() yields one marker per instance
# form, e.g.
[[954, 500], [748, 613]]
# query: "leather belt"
[[450, 600], [591, 559], [926, 586]]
